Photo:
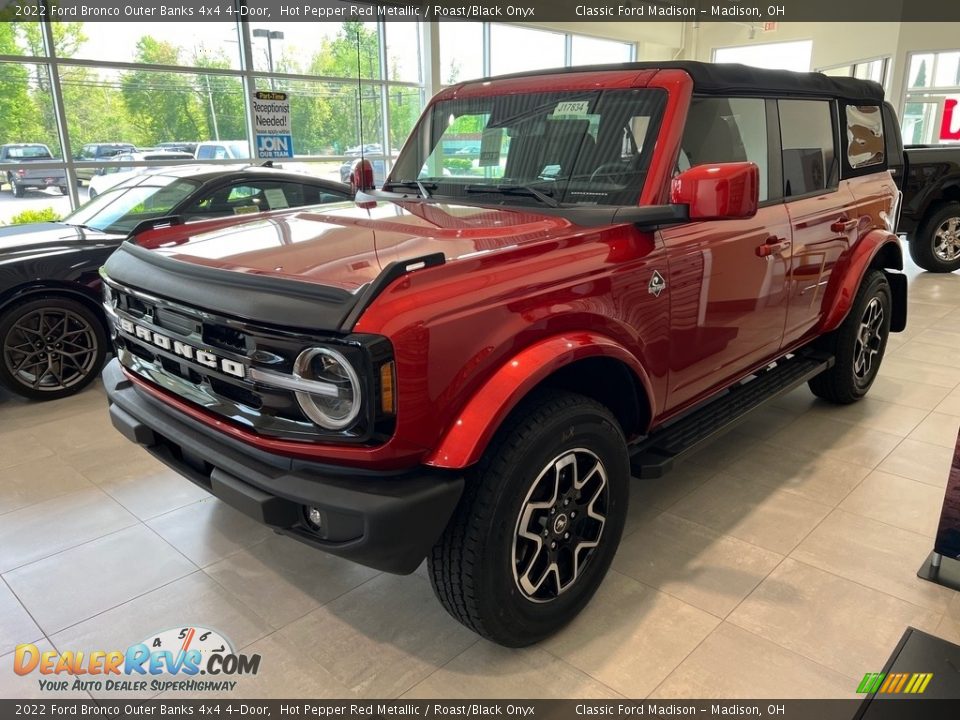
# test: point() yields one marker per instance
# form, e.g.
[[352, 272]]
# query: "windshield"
[[575, 147], [120, 209]]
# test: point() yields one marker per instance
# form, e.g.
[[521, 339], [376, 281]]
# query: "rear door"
[[821, 209], [726, 278]]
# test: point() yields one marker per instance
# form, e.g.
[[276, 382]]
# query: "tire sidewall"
[[525, 620], [10, 316]]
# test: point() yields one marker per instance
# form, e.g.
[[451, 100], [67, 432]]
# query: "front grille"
[[152, 335]]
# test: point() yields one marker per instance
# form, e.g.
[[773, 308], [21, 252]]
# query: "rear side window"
[[864, 141], [809, 155], [721, 130]]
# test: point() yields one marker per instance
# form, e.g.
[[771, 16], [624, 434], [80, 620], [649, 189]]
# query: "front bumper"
[[384, 521]]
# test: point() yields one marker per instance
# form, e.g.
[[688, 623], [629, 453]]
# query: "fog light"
[[315, 518]]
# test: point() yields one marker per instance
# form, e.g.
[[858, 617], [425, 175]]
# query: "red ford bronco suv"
[[469, 364]]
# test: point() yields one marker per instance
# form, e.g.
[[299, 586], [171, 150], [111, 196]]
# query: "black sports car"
[[53, 334]]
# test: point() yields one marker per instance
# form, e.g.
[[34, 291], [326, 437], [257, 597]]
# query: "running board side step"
[[653, 456]]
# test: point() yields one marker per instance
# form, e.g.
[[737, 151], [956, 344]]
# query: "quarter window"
[[721, 130], [865, 145], [809, 155]]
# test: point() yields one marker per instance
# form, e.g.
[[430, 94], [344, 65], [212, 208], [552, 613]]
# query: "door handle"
[[844, 226], [772, 246]]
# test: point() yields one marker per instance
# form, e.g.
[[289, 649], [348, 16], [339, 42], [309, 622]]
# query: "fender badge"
[[657, 284]]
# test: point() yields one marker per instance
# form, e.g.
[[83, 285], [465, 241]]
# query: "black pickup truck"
[[24, 176], [930, 212]]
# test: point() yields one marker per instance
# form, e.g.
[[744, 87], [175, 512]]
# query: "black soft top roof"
[[741, 80]]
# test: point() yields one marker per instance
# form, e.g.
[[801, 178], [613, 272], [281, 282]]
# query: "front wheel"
[[50, 348], [539, 523], [63, 190], [858, 344]]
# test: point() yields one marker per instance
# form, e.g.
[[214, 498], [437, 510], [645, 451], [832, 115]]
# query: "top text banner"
[[859, 12]]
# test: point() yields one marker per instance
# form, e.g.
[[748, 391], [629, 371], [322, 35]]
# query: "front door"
[[726, 277]]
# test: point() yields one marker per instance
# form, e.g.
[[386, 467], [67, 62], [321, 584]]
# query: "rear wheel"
[[539, 523], [858, 344], [50, 348], [936, 245]]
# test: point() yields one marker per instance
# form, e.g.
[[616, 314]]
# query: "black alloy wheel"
[[51, 348]]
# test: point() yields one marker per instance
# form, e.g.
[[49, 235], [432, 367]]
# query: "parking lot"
[[11, 206]]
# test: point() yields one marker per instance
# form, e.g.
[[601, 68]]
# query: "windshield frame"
[[650, 103]]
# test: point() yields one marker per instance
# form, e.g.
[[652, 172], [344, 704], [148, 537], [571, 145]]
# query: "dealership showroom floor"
[[778, 562]]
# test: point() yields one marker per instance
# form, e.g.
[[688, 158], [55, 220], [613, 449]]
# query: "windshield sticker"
[[275, 198], [571, 108], [490, 143]]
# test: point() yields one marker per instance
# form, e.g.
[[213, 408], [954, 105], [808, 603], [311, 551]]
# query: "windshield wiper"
[[513, 189], [419, 185]]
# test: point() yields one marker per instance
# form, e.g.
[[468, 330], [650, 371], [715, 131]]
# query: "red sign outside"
[[947, 129]]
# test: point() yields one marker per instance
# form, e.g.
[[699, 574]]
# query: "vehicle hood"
[[48, 238], [347, 246]]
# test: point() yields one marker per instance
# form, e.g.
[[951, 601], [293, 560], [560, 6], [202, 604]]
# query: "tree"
[[162, 105]]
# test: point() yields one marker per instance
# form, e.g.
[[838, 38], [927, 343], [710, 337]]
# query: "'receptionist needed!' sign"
[[271, 124]]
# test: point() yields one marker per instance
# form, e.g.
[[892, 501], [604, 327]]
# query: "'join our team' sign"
[[271, 124]]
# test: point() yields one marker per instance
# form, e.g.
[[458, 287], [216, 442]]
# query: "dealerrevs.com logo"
[[189, 659]]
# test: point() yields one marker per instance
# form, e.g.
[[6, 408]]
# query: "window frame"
[[834, 120]]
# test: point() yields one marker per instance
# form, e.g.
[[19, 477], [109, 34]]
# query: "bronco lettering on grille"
[[188, 352]]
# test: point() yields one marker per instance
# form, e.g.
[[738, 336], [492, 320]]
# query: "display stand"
[[943, 564]]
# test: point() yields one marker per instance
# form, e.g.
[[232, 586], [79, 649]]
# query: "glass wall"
[[794, 55], [877, 70], [75, 94], [100, 89], [931, 111], [471, 50]]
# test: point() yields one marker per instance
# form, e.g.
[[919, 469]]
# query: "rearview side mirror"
[[361, 176], [719, 191]]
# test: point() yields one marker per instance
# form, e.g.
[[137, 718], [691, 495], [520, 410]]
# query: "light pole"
[[270, 35]]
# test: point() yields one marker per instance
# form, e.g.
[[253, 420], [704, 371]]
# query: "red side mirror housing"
[[718, 191], [361, 176]]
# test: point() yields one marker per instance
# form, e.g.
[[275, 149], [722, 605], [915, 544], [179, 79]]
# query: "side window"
[[809, 156], [865, 143], [721, 130], [205, 152]]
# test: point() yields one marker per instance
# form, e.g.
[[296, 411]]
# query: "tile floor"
[[778, 562]]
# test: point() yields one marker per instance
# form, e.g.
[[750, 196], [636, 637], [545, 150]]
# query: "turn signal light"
[[387, 400]]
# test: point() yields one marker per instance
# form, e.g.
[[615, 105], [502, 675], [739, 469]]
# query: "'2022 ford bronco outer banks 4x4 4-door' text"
[[468, 364]]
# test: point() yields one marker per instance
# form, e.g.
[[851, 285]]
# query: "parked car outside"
[[378, 164], [469, 369], [188, 147], [223, 150], [53, 334], [114, 174], [930, 214], [23, 177], [97, 152]]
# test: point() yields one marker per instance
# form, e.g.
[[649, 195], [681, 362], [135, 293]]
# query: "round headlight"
[[337, 410]]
